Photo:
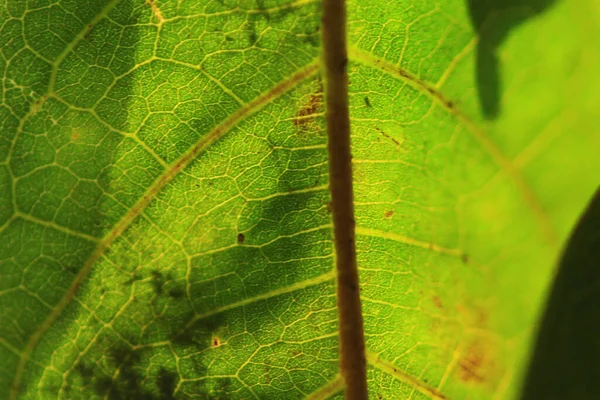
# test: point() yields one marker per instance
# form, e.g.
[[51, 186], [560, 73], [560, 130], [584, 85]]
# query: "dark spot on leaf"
[[367, 102], [216, 341], [405, 74], [166, 384], [86, 372], [389, 214], [157, 281], [343, 64], [388, 136], [197, 332], [176, 293], [88, 32], [241, 238], [465, 258]]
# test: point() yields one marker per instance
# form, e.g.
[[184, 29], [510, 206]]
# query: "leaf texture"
[[165, 227]]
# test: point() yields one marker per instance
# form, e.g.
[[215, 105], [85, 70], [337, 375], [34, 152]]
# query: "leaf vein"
[[389, 368], [136, 210], [506, 165]]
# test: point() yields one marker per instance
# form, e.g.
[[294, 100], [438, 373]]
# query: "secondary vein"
[[145, 200]]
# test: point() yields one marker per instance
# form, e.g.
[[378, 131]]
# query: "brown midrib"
[[352, 343]]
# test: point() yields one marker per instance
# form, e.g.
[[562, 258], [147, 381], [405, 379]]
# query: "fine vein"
[[507, 166], [391, 369], [148, 196]]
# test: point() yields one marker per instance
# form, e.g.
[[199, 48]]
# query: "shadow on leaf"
[[565, 361], [493, 21]]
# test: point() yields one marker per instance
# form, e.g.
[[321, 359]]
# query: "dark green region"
[[565, 359], [493, 20]]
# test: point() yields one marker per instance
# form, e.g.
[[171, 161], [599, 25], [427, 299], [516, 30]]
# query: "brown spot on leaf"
[[267, 375], [388, 136], [88, 31], [471, 367], [75, 135], [308, 111], [37, 105], [241, 238], [389, 214], [465, 258], [216, 342], [437, 302]]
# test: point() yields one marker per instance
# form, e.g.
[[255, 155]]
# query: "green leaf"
[[165, 222]]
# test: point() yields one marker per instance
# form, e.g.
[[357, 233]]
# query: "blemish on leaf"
[[216, 342], [471, 365], [241, 238], [88, 32], [85, 371], [267, 375], [388, 136], [176, 293], [37, 105], [157, 281], [465, 258], [308, 111], [437, 302], [389, 214], [367, 102]]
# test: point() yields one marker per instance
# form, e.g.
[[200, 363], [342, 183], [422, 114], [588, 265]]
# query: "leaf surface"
[[164, 206]]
